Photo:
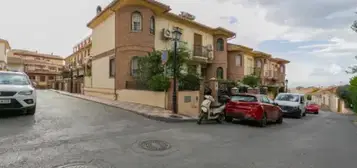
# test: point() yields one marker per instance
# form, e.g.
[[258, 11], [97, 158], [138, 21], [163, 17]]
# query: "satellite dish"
[[99, 9]]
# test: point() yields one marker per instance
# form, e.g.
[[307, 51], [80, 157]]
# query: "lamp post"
[[286, 85], [71, 73], [176, 37]]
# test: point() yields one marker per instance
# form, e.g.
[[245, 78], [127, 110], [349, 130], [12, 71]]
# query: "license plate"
[[284, 111], [5, 101]]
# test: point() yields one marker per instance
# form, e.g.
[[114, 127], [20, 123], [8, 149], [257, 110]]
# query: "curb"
[[153, 117]]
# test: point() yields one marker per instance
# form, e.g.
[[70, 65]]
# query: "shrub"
[[159, 83], [189, 82]]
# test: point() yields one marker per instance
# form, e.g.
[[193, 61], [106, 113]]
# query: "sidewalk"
[[151, 112]]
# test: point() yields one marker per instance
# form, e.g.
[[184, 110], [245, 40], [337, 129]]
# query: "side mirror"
[[275, 104]]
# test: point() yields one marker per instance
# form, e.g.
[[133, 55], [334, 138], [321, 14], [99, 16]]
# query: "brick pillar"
[[213, 84], [201, 94]]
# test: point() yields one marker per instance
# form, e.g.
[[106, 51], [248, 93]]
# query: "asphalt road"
[[70, 132]]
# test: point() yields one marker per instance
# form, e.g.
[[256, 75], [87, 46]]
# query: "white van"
[[292, 104]]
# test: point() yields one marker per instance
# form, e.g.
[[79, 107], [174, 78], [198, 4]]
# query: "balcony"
[[201, 53]]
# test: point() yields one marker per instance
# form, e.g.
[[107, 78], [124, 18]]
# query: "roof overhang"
[[159, 9], [115, 5], [280, 60], [236, 47], [261, 54]]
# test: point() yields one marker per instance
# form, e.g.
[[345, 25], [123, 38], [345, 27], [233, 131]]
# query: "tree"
[[149, 66], [251, 80], [183, 55], [353, 92], [309, 97]]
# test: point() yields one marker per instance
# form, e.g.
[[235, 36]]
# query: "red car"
[[253, 107], [312, 108]]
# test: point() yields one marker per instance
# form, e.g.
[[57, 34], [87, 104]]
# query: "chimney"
[[99, 9]]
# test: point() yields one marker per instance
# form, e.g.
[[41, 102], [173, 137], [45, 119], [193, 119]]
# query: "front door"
[[197, 42]]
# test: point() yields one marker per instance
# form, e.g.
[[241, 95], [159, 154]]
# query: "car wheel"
[[316, 113], [263, 122], [280, 120], [31, 111], [228, 119]]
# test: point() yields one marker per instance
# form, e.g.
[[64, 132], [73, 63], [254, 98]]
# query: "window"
[[136, 22], [264, 99], [244, 98], [259, 63], [152, 25], [220, 45], [281, 68], [111, 67], [134, 66], [288, 97], [219, 73], [13, 79], [42, 78], [238, 60], [51, 78]]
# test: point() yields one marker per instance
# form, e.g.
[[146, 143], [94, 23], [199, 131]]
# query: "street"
[[70, 132]]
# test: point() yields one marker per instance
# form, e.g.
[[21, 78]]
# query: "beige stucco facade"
[[248, 64], [100, 74], [187, 34], [103, 36]]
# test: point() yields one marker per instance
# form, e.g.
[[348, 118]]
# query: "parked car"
[[292, 104], [253, 107], [17, 92], [312, 107]]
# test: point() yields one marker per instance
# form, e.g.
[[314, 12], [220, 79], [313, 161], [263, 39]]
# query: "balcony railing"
[[200, 51]]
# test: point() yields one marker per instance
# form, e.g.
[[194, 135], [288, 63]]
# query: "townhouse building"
[[128, 29], [77, 66], [40, 67], [244, 61], [4, 48]]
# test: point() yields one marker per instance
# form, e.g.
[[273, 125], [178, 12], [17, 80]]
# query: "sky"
[[314, 35]]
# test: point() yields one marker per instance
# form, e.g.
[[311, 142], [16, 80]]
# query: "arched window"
[[152, 25], [134, 66], [136, 22], [220, 45], [219, 73]]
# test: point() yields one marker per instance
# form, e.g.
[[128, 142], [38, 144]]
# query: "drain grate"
[[175, 116], [154, 145]]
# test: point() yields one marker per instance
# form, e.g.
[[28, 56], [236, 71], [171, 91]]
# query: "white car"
[[292, 104], [17, 92]]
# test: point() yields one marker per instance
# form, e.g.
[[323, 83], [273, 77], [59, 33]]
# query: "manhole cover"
[[155, 145], [77, 165]]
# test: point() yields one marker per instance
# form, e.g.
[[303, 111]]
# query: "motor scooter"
[[211, 111]]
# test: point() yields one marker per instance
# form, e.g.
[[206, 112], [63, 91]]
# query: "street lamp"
[[71, 73], [176, 37], [286, 85]]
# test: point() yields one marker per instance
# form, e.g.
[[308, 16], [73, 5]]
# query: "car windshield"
[[288, 97], [244, 98], [13, 79]]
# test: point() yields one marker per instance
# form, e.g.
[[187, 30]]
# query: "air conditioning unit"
[[166, 34]]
